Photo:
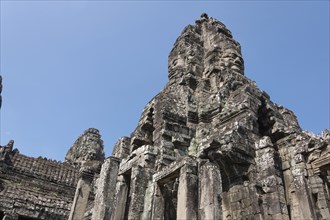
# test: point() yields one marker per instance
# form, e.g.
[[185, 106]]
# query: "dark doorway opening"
[[128, 196]]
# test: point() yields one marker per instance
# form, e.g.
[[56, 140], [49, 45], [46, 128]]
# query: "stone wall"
[[36, 187], [39, 188], [210, 145]]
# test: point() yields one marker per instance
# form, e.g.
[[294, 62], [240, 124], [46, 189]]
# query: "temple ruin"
[[210, 145]]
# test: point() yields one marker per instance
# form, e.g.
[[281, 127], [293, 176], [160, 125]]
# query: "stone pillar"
[[301, 202], [209, 191], [158, 203], [139, 184], [187, 193], [319, 182], [271, 195], [298, 193], [148, 199], [81, 196], [119, 205], [106, 189]]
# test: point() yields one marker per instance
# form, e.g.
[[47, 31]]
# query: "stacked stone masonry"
[[38, 188], [210, 145]]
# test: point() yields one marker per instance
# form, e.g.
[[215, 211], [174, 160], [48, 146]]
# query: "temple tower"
[[212, 145]]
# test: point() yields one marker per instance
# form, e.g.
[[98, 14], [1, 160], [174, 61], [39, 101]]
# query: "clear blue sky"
[[71, 65]]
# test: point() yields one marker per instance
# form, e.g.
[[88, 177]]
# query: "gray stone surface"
[[210, 145], [86, 149], [39, 188], [106, 186], [216, 146]]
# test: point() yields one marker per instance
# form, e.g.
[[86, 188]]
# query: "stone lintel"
[[232, 116], [173, 169], [86, 174], [320, 162], [114, 159], [128, 163], [285, 141]]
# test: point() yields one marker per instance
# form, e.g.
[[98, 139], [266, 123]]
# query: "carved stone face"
[[176, 66], [232, 59], [177, 62], [88, 147], [182, 60]]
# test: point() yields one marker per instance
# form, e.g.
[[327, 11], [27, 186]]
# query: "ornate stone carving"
[[88, 147], [210, 145]]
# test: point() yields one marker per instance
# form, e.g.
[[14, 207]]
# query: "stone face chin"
[[210, 145]]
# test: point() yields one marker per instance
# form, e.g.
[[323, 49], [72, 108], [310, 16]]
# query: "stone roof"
[[37, 187], [45, 169]]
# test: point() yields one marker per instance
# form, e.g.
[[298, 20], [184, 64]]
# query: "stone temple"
[[210, 145]]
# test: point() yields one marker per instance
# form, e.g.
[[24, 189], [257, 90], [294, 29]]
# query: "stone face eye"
[[192, 53], [174, 62]]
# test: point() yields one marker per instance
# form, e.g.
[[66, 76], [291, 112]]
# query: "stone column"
[[81, 196], [209, 191], [148, 199], [271, 196], [187, 193], [119, 205], [106, 189], [298, 193], [158, 203], [139, 184], [319, 182], [301, 207]]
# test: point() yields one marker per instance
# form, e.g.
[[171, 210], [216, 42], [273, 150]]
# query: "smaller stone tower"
[[87, 154]]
